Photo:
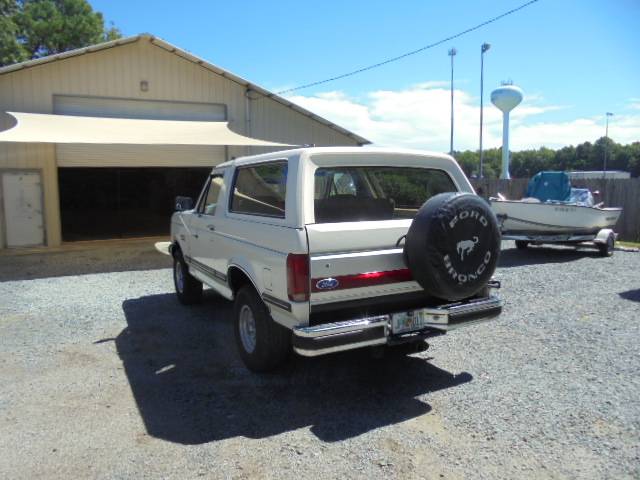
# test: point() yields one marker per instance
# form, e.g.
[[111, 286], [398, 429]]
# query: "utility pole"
[[452, 53], [483, 49]]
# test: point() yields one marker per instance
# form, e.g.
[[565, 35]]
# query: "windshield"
[[348, 194]]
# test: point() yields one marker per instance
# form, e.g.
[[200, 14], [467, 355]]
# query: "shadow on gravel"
[[512, 257], [191, 388], [633, 295], [81, 262]]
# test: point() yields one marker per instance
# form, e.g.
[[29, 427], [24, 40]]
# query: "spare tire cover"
[[453, 245]]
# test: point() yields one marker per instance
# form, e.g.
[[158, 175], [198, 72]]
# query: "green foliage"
[[409, 187], [526, 163], [37, 28], [11, 51]]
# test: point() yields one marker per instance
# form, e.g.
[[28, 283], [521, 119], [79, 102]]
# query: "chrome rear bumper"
[[363, 332]]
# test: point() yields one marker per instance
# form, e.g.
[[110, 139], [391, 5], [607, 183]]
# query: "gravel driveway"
[[103, 374]]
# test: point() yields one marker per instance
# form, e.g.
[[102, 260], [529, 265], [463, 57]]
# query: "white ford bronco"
[[336, 248]]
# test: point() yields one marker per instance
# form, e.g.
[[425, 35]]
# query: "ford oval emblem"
[[327, 284]]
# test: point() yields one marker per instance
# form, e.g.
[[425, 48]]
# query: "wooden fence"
[[623, 193]]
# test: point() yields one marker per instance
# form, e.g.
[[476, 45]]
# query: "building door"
[[22, 195]]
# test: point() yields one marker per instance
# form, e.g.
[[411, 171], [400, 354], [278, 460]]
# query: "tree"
[[526, 163], [37, 28], [11, 51]]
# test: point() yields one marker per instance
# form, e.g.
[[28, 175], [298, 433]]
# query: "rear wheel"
[[188, 288], [522, 244], [263, 344], [606, 249]]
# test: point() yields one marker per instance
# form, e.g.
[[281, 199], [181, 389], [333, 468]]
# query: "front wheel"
[[188, 288], [606, 249], [522, 244], [262, 343]]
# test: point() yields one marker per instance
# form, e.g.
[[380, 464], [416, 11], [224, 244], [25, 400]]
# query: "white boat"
[[553, 212], [530, 218]]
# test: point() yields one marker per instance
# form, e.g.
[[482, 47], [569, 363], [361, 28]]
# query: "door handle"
[[211, 228]]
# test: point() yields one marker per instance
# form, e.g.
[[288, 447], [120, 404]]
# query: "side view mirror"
[[184, 203], [596, 193]]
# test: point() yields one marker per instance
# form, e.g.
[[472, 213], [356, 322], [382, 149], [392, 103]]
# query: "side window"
[[210, 202], [260, 190]]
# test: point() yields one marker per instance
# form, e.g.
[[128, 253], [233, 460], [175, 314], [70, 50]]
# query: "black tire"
[[453, 245], [188, 288], [272, 341], [606, 249], [522, 244]]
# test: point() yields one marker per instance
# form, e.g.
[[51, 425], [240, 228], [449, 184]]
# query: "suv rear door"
[[361, 214]]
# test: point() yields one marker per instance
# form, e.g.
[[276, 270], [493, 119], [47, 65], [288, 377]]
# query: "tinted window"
[[211, 200], [347, 194], [260, 190]]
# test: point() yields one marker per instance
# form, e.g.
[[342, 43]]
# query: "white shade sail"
[[46, 128]]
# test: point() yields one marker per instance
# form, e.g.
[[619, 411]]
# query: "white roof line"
[[68, 54], [189, 57]]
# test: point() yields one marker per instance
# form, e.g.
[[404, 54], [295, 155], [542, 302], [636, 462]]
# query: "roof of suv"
[[297, 152]]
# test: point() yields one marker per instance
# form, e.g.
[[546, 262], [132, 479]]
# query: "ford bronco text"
[[330, 249]]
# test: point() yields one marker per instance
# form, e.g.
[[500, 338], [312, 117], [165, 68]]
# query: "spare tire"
[[453, 245]]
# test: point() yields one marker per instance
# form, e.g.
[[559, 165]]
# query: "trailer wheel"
[[606, 249], [263, 344]]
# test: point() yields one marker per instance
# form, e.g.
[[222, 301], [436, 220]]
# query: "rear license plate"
[[409, 321], [416, 320]]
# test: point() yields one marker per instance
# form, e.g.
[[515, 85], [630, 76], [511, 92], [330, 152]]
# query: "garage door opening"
[[103, 203]]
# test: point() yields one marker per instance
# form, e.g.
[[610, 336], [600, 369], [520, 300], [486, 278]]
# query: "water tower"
[[506, 98]]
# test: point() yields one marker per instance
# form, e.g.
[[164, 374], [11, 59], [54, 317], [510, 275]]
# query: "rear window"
[[260, 190], [348, 194]]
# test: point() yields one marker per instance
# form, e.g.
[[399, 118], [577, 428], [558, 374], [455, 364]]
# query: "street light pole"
[[483, 49], [452, 53], [606, 143]]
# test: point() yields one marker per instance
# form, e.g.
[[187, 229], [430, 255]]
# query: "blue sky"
[[574, 59]]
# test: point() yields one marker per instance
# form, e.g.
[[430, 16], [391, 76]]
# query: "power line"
[[408, 54]]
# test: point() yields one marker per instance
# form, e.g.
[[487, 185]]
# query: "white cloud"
[[434, 84], [419, 117]]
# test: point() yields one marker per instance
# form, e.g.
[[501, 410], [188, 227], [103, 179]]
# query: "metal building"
[[50, 193]]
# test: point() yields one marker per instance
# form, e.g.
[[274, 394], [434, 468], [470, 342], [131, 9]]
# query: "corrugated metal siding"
[[133, 155], [138, 156], [137, 108], [272, 119], [117, 72]]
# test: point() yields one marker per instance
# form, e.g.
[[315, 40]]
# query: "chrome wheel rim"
[[179, 276], [247, 324]]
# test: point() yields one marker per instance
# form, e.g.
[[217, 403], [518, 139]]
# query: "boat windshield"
[[550, 186]]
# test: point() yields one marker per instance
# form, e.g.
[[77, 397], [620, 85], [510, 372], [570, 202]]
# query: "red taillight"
[[298, 277], [368, 279]]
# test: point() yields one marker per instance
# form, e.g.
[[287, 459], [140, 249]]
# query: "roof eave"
[[68, 54], [189, 57], [252, 86]]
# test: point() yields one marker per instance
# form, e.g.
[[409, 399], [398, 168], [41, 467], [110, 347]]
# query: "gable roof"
[[158, 42]]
